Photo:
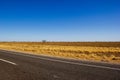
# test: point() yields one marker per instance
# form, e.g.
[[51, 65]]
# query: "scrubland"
[[96, 51]]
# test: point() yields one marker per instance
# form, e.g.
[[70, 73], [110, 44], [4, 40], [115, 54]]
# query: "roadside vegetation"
[[98, 51]]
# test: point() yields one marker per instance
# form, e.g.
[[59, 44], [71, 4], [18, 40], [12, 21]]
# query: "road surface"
[[21, 66]]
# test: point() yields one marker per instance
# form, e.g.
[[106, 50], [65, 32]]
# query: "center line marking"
[[8, 61]]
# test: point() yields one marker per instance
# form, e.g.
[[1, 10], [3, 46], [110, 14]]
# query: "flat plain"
[[96, 51]]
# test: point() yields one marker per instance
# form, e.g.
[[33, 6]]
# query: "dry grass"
[[100, 51]]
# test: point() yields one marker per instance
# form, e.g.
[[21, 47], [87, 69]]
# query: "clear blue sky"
[[60, 20]]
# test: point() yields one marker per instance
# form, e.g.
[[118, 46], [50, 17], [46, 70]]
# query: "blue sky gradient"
[[60, 20]]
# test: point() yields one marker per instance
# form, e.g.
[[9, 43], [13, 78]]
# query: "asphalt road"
[[20, 66]]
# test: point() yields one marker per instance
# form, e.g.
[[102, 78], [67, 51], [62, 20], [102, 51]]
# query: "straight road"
[[21, 66]]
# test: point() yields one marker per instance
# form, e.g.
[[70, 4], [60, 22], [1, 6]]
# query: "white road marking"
[[68, 62], [81, 64], [8, 61]]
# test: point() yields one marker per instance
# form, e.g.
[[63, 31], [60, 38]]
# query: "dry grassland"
[[98, 51]]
